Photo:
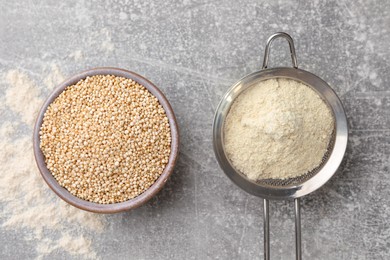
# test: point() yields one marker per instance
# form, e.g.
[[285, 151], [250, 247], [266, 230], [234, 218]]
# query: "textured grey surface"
[[194, 51]]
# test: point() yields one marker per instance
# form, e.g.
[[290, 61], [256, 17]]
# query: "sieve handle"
[[290, 43], [298, 245], [266, 230]]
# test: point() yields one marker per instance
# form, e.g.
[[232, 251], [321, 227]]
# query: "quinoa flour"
[[277, 129]]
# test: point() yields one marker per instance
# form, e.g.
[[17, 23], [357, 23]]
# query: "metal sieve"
[[292, 188]]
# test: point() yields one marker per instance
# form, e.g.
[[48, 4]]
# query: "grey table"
[[194, 51]]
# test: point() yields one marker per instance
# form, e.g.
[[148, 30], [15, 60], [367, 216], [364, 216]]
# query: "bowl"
[[114, 207]]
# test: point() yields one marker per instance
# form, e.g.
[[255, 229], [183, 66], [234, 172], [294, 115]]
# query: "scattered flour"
[[123, 16], [27, 203], [77, 55], [54, 77], [277, 129], [107, 45], [73, 245], [22, 96]]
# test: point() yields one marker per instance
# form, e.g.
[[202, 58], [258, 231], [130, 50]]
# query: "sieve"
[[292, 188]]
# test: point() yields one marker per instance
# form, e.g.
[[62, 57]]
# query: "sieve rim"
[[328, 168]]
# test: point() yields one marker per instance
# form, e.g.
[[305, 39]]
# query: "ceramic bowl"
[[115, 207]]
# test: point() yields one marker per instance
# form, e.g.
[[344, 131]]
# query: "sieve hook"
[[290, 43]]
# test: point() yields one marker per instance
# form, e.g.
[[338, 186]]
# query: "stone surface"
[[194, 50]]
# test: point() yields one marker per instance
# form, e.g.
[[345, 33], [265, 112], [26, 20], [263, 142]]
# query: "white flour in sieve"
[[277, 129]]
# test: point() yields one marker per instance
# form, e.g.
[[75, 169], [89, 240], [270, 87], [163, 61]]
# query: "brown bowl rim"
[[115, 207]]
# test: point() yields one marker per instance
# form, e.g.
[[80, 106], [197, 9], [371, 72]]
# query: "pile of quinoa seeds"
[[106, 139]]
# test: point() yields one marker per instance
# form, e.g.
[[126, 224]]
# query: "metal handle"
[[290, 43], [266, 230], [298, 245]]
